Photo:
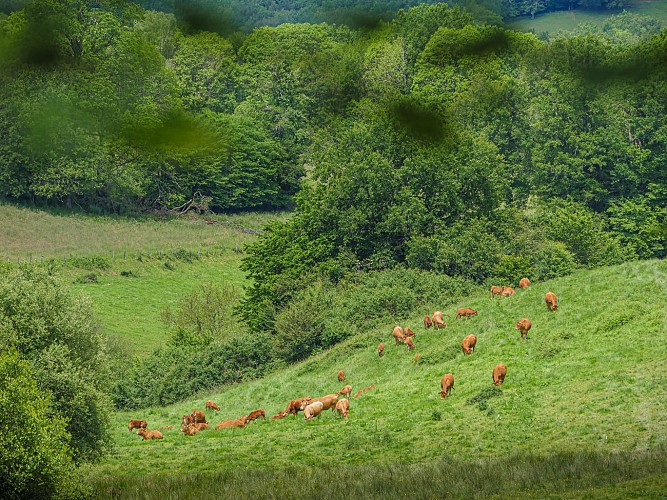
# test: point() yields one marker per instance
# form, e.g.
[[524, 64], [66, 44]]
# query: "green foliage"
[[35, 457]]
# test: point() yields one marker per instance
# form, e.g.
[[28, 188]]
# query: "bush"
[[553, 260]]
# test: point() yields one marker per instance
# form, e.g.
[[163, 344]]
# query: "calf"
[[437, 320], [341, 376], [369, 388], [523, 325], [185, 421], [551, 300], [408, 332], [357, 394], [191, 430], [198, 417], [446, 384], [465, 312], [136, 424], [508, 291], [468, 344], [254, 415], [499, 373], [427, 322], [496, 290], [343, 407], [409, 343], [313, 410], [345, 391], [146, 434], [398, 334], [380, 349], [228, 424], [524, 283], [210, 405]]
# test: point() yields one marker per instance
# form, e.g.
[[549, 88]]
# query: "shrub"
[[553, 260]]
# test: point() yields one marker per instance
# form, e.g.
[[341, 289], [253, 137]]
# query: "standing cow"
[[313, 410], [427, 322], [524, 283], [468, 344], [446, 384], [437, 320], [499, 373], [341, 376], [551, 300], [523, 325], [380, 349], [399, 335]]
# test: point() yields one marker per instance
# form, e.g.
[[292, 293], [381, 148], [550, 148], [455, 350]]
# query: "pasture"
[[583, 409]]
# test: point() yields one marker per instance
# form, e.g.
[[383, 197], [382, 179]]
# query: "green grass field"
[[568, 20], [582, 412]]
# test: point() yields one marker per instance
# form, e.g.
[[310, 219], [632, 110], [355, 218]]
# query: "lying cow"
[[524, 283], [446, 384], [254, 415], [313, 410], [198, 417], [508, 291], [280, 415], [523, 325], [468, 344], [551, 300], [499, 373], [136, 424], [146, 434], [465, 312], [343, 407], [210, 405], [496, 290], [228, 424], [437, 320]]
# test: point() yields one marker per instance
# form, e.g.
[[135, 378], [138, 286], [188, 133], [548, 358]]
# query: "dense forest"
[[424, 150]]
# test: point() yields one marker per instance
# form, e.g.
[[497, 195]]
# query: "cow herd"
[[313, 407]]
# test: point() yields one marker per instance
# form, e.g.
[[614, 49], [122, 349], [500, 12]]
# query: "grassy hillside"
[[568, 20], [584, 405]]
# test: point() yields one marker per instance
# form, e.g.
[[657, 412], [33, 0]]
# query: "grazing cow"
[[499, 373], [427, 322], [210, 405], [328, 401], [417, 358], [446, 383], [314, 409], [409, 343], [185, 421], [524, 283], [551, 300], [198, 417], [465, 312], [468, 344], [523, 325], [254, 415], [279, 415], [228, 424], [356, 395], [408, 332], [136, 424], [343, 407], [496, 290], [341, 376], [297, 405], [380, 349], [398, 334], [437, 320], [345, 391], [146, 434], [508, 291]]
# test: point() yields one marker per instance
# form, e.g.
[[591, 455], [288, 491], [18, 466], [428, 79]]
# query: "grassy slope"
[[589, 378], [552, 22]]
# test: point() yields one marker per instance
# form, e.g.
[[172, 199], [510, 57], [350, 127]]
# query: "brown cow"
[[496, 290], [343, 407], [345, 391], [202, 425], [314, 409], [437, 320], [210, 405], [447, 384], [380, 348], [427, 322], [508, 291], [191, 430], [465, 312], [468, 344], [146, 434], [409, 343], [408, 332], [523, 325], [279, 415], [136, 424], [228, 424], [297, 405], [499, 373], [341, 376], [524, 283], [254, 415], [398, 334], [550, 299], [357, 394], [369, 388], [329, 401], [198, 417], [185, 421]]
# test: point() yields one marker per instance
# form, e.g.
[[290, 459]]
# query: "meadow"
[[568, 20], [583, 410]]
